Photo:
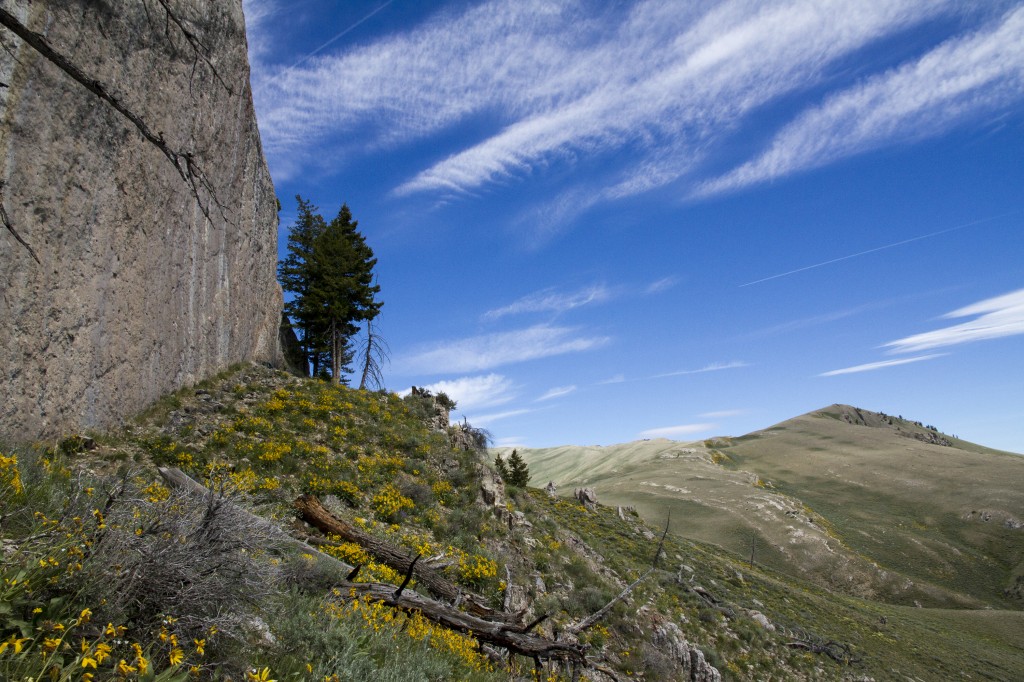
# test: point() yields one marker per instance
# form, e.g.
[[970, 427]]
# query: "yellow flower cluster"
[[384, 620], [156, 492], [444, 492], [476, 569], [10, 477], [389, 501]]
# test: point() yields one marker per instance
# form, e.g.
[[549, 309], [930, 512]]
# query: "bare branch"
[[374, 355], [408, 577], [595, 617]]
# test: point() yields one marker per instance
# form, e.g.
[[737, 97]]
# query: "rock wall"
[[137, 291]]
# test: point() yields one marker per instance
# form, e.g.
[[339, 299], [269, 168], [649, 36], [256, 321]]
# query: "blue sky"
[[603, 221]]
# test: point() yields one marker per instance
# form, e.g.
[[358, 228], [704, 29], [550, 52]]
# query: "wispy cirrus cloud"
[[997, 317], [663, 284], [669, 81], [713, 367], [490, 418], [473, 393], [480, 353], [556, 392], [722, 414], [551, 301], [678, 430], [883, 364], [958, 81], [565, 84]]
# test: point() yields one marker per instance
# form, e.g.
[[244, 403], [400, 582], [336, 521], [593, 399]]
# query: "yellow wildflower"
[[15, 643], [176, 656]]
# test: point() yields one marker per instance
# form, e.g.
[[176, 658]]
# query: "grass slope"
[[375, 460], [874, 506]]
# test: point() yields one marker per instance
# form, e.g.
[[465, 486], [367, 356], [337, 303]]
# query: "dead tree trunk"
[[495, 631], [315, 514]]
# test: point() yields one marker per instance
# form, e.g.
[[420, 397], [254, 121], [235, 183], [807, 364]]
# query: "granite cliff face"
[[143, 285]]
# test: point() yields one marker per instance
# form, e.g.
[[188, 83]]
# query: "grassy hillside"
[[109, 574], [868, 504]]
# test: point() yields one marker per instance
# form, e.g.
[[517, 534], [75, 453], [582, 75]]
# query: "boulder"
[[586, 496]]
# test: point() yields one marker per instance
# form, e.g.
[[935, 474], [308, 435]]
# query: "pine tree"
[[294, 273], [330, 270], [518, 470], [501, 466]]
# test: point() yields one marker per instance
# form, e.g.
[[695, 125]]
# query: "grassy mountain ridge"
[[873, 505], [264, 437]]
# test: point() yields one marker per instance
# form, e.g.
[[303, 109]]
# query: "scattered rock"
[[492, 488], [258, 631], [762, 620], [585, 495], [538, 583], [693, 666]]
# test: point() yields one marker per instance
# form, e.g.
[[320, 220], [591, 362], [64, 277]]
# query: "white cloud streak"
[[997, 317], [473, 393], [488, 419], [479, 353], [669, 82], [549, 301], [679, 430], [713, 367], [566, 83], [722, 414], [556, 392], [955, 82], [872, 366], [661, 285]]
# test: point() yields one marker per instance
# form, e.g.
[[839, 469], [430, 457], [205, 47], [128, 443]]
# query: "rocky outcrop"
[[586, 496], [692, 665], [144, 283]]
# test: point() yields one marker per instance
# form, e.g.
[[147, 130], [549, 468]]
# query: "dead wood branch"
[[486, 631], [592, 619], [840, 652], [497, 632], [10, 228], [315, 514], [179, 479], [183, 161]]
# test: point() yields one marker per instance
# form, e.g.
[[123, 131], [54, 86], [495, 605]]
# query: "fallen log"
[[497, 632], [486, 631], [314, 513]]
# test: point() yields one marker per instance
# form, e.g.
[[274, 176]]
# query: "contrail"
[[882, 248], [336, 38]]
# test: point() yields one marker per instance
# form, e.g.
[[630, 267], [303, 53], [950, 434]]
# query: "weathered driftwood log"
[[495, 631], [315, 514]]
